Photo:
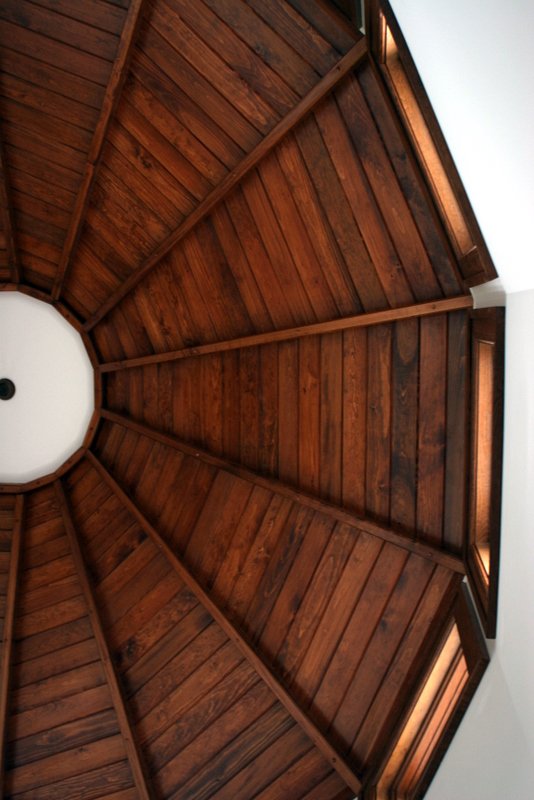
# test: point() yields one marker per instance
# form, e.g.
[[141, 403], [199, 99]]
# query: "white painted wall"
[[47, 419], [476, 59]]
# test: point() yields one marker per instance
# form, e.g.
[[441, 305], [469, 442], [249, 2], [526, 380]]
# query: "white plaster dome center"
[[46, 420]]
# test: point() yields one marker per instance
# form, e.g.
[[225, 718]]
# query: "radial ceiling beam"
[[111, 100], [315, 329], [336, 761], [8, 219], [7, 636], [320, 90], [137, 767], [422, 549]]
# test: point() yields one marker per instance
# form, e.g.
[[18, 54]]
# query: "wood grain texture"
[[109, 103], [136, 765], [12, 521], [245, 165], [58, 683], [53, 68], [303, 721], [339, 416], [313, 594]]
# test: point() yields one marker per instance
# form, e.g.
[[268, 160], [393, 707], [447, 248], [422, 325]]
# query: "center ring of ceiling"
[[50, 418]]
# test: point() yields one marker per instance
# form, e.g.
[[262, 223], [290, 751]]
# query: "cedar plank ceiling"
[[237, 589]]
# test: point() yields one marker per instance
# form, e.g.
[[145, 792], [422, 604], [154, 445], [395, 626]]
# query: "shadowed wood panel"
[[201, 712], [207, 82], [11, 522], [369, 418], [7, 524], [333, 609], [62, 728], [9, 255], [56, 59]]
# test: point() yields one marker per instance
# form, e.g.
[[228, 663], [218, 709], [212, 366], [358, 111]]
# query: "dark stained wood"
[[7, 218], [357, 53], [345, 323], [337, 762], [136, 764], [52, 691], [274, 508], [8, 624], [109, 103], [426, 551]]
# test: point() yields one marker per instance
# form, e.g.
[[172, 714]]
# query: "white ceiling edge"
[[476, 60], [491, 755], [47, 419]]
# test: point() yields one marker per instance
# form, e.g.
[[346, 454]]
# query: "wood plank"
[[44, 21], [78, 733], [110, 102], [363, 524], [456, 481], [134, 757], [333, 757], [354, 56], [8, 627], [378, 427], [355, 380], [89, 785], [31, 777], [404, 388], [431, 429], [203, 713], [265, 40], [7, 218], [289, 334]]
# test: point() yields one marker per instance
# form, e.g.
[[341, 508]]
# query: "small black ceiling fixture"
[[7, 389]]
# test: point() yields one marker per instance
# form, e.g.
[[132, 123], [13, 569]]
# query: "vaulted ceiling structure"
[[248, 581]]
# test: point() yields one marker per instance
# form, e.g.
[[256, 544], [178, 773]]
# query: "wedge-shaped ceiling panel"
[[319, 230], [63, 735], [56, 61], [333, 608], [206, 722], [207, 82], [372, 418]]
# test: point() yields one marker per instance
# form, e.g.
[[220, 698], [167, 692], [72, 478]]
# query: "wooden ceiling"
[[239, 585]]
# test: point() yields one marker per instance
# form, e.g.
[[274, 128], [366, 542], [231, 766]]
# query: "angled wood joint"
[[289, 334], [110, 103], [355, 55], [422, 549], [336, 761], [137, 766]]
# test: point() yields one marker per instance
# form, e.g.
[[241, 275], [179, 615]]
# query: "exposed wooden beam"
[[7, 637], [337, 762], [111, 100], [346, 323], [136, 765], [422, 549], [8, 219], [320, 90]]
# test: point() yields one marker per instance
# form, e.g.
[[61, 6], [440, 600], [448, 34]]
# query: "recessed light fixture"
[[7, 389]]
